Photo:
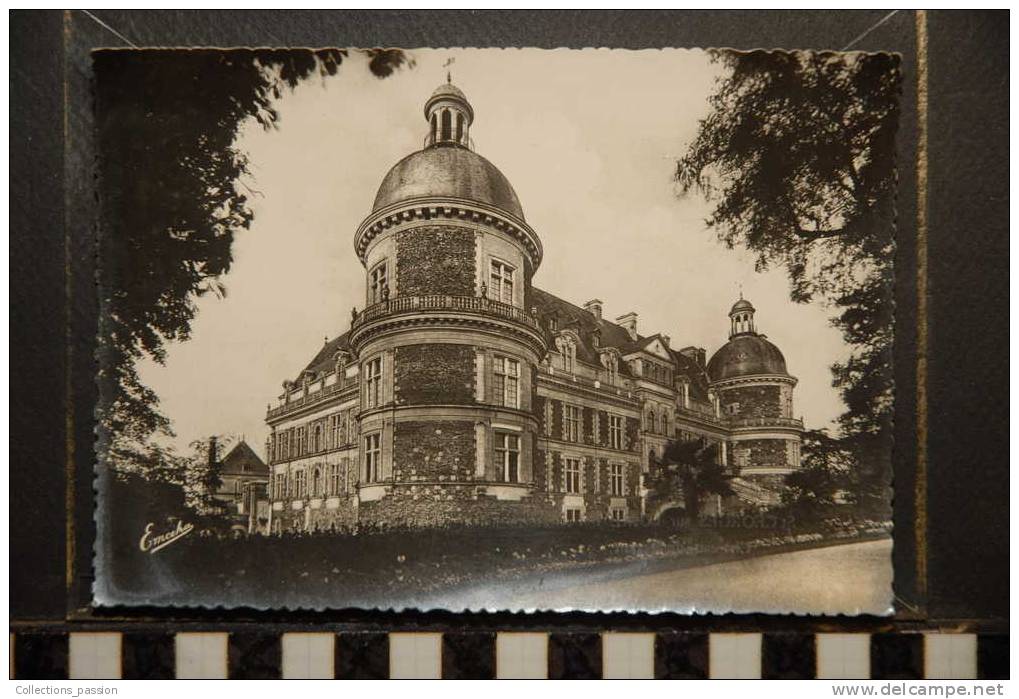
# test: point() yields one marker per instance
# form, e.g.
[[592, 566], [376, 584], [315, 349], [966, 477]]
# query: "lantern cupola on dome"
[[449, 116]]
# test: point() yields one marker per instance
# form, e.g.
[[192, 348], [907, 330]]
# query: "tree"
[[693, 469], [797, 156], [202, 470], [825, 478], [172, 198]]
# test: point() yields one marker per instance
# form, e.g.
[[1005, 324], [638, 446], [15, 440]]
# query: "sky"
[[588, 139]]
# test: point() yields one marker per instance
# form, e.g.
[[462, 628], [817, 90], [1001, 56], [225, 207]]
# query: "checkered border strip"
[[38, 655]]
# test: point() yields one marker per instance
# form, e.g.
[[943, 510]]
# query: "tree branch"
[[820, 234]]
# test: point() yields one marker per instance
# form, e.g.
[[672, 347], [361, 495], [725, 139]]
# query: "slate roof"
[[242, 460], [571, 316], [325, 360]]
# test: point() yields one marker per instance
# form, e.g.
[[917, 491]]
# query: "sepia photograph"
[[496, 330]]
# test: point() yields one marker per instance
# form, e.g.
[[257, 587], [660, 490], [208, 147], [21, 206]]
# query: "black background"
[[53, 306]]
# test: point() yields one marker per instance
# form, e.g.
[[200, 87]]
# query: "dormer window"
[[611, 364], [568, 351]]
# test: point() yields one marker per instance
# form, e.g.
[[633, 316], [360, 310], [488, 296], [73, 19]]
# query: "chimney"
[[629, 322], [594, 308]]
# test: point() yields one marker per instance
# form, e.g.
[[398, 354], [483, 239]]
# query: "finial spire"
[[449, 73]]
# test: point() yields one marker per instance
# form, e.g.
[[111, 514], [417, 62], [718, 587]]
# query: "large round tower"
[[755, 394], [447, 341]]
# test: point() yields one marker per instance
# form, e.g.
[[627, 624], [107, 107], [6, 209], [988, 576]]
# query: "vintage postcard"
[[496, 329]]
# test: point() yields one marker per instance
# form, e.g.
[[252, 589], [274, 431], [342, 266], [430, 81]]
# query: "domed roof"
[[448, 172], [741, 305], [748, 354], [448, 90]]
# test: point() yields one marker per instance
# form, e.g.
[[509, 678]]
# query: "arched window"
[[317, 445], [447, 127], [652, 422], [459, 128], [316, 483], [435, 126]]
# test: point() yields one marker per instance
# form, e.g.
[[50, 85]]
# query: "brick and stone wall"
[[434, 374], [765, 453], [754, 401], [439, 450], [435, 260]]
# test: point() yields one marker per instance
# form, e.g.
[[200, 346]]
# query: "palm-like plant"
[[693, 469]]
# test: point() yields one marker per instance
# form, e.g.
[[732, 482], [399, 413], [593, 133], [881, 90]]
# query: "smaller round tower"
[[754, 391]]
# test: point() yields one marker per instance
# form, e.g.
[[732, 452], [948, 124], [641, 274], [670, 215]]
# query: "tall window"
[[500, 286], [301, 486], [333, 440], [507, 456], [316, 483], [506, 382], [373, 458], [572, 475], [334, 479], [459, 128], [652, 422], [615, 431], [378, 282], [373, 383], [616, 483], [571, 423], [573, 514], [316, 444]]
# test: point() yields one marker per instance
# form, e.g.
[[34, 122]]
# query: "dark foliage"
[[427, 566], [690, 468], [172, 198], [798, 157]]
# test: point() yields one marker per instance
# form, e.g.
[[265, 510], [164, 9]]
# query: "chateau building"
[[243, 481], [462, 393]]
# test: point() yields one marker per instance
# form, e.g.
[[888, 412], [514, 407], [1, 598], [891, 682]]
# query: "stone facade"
[[461, 394]]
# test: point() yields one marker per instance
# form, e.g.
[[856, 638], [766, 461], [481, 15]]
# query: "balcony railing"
[[442, 302], [706, 414], [766, 422], [310, 399]]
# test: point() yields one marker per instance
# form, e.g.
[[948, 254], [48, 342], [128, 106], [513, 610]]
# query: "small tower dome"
[[742, 316], [449, 116]]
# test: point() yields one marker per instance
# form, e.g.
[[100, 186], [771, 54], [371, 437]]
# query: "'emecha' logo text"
[[151, 542]]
